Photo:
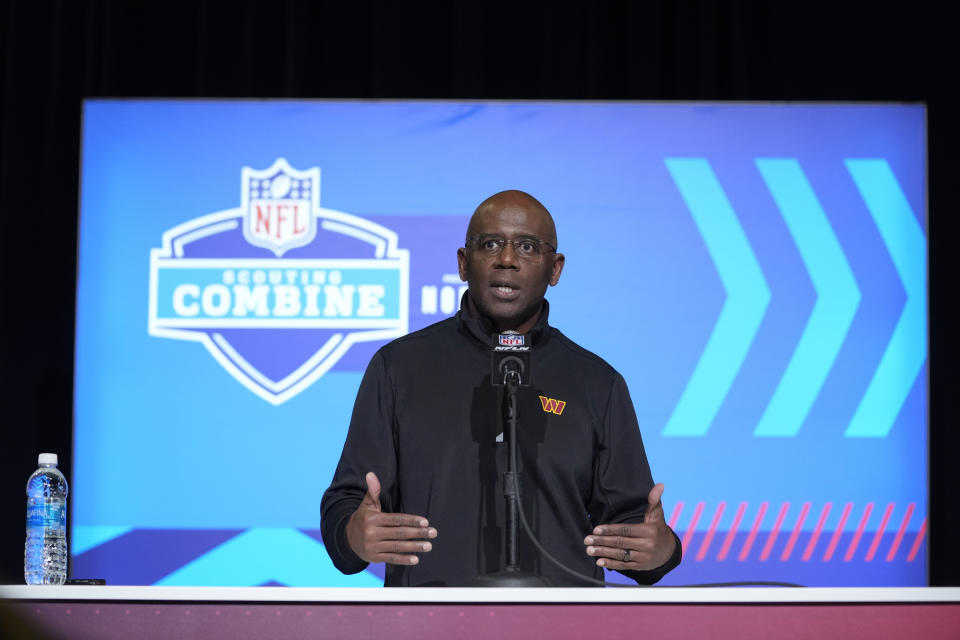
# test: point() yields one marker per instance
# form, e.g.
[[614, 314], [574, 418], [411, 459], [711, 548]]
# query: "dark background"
[[56, 53]]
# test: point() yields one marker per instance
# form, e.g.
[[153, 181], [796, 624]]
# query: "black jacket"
[[426, 421]]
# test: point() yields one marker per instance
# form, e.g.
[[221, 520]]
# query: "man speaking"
[[419, 483]]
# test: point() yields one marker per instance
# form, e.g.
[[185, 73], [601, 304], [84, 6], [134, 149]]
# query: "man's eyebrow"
[[522, 234]]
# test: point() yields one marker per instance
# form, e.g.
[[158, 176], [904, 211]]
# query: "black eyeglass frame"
[[502, 242]]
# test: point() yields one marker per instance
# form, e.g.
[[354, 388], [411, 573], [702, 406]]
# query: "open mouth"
[[504, 291]]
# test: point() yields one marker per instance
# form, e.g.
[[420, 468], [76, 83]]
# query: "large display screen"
[[757, 273]]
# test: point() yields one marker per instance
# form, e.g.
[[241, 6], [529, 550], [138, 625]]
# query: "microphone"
[[510, 368], [510, 360]]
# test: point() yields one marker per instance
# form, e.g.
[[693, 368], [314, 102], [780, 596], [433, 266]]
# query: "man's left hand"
[[638, 547]]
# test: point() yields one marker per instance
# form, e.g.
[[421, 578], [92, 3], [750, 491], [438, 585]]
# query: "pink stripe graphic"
[[791, 543], [688, 536], [916, 543], [675, 515], [879, 534], [733, 532], [835, 538], [856, 537], [816, 533], [796, 533], [713, 528], [773, 534], [753, 533], [903, 527]]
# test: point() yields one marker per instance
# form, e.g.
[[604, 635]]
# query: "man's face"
[[506, 287]]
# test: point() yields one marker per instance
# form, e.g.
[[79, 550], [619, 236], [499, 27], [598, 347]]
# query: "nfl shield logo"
[[278, 205], [277, 324], [511, 340]]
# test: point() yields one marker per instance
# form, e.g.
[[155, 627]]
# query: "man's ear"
[[462, 263], [558, 261]]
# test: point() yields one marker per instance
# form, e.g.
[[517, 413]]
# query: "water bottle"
[[45, 554]]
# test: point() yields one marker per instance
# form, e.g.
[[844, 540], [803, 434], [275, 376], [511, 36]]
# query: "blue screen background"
[[755, 271]]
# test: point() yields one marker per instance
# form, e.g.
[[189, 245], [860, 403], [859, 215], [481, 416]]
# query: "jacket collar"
[[484, 331]]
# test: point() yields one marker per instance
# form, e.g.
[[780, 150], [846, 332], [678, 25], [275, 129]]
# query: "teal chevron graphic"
[[837, 298], [262, 555], [747, 297], [907, 350]]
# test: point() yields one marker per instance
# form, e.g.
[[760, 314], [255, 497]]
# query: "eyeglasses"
[[525, 247]]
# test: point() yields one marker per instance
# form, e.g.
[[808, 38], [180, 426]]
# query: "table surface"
[[282, 613], [661, 595]]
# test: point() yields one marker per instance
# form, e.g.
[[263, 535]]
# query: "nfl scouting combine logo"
[[279, 289]]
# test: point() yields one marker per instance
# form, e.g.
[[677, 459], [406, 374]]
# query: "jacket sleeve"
[[369, 447], [622, 477]]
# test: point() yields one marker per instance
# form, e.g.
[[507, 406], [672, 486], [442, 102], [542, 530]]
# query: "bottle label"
[[47, 516]]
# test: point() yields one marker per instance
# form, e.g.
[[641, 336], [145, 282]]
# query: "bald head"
[[518, 203]]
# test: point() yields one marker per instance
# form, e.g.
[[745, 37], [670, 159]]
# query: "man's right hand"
[[386, 537]]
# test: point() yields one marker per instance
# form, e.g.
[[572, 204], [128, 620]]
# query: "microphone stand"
[[512, 576]]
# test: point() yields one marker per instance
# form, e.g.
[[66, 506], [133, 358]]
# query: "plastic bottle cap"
[[47, 458]]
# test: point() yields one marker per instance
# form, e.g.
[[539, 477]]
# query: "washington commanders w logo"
[[552, 406]]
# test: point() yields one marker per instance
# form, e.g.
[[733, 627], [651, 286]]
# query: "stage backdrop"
[[757, 272]]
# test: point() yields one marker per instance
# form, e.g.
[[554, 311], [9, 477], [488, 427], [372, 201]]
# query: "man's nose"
[[508, 258]]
